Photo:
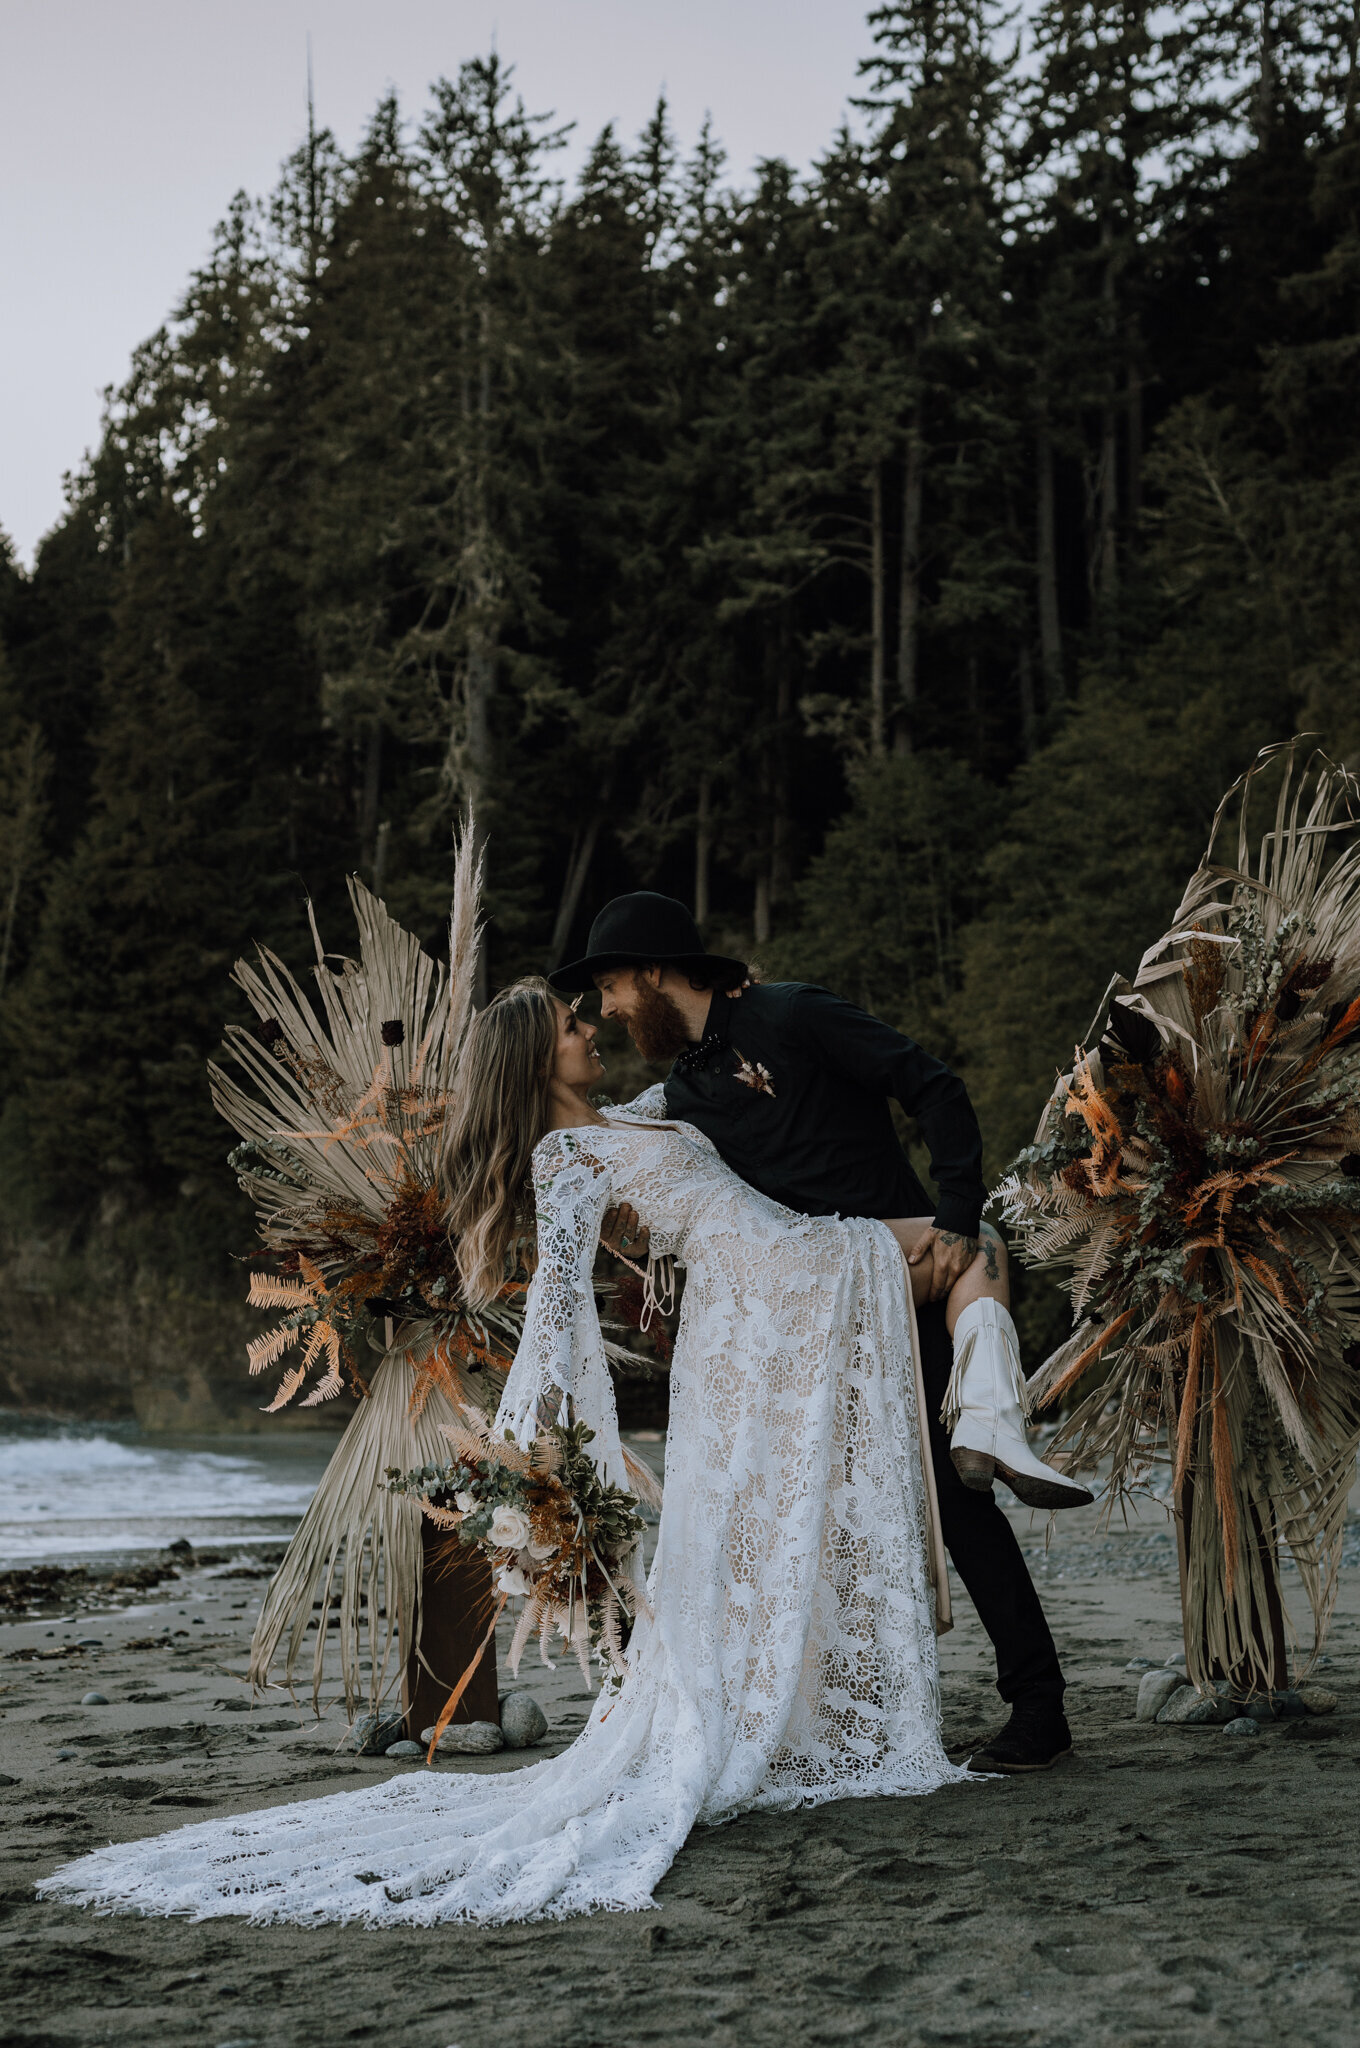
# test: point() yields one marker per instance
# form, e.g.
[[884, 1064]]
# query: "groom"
[[792, 1086]]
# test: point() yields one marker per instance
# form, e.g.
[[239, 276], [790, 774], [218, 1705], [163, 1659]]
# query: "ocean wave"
[[77, 1493]]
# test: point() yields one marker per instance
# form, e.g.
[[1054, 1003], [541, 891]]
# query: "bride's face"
[[576, 1063]]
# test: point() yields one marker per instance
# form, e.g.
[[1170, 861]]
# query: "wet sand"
[[1160, 1886]]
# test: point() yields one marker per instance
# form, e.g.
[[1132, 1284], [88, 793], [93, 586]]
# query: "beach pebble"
[[64, 1756], [372, 1733], [1187, 1708], [1242, 1724], [1176, 1661], [1140, 1664], [5, 1778], [1154, 1690], [89, 1642], [1288, 1706], [1258, 1709], [1317, 1699], [466, 1738], [523, 1721], [400, 1749], [93, 1699]]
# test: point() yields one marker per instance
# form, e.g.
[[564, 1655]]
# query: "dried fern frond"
[[268, 1291], [262, 1352]]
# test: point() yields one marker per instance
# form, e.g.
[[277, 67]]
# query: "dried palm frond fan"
[[342, 1126], [1198, 1176]]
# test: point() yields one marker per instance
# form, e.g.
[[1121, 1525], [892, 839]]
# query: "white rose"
[[466, 1503], [508, 1580], [509, 1529], [541, 1552]]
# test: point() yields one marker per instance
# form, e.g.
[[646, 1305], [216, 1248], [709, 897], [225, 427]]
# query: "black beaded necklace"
[[695, 1056]]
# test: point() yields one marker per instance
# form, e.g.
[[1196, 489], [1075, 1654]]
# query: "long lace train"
[[790, 1657]]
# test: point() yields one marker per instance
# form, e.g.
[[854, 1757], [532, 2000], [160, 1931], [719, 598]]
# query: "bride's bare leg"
[[984, 1403], [987, 1276]]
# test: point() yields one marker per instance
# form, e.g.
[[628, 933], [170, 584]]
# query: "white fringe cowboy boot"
[[985, 1406]]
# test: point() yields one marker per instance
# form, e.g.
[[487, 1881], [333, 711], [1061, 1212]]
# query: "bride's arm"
[[651, 1103], [560, 1366]]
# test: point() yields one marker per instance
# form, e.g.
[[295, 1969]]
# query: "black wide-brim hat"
[[644, 930]]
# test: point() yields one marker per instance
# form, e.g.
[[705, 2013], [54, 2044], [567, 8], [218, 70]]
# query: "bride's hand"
[[621, 1232]]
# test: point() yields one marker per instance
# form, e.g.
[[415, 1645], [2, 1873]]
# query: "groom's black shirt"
[[823, 1142]]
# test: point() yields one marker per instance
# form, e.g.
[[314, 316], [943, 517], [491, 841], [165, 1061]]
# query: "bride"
[[789, 1656]]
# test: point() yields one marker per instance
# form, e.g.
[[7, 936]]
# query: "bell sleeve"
[[560, 1368]]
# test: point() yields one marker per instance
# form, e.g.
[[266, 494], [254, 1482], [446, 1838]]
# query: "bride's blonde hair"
[[504, 1082]]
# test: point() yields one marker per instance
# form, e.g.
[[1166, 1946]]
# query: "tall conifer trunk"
[[1134, 458], [479, 682], [781, 802], [1107, 536], [703, 849], [481, 597], [583, 845], [1025, 682], [1263, 110], [372, 794], [909, 587], [761, 913], [26, 829], [878, 704], [1050, 620]]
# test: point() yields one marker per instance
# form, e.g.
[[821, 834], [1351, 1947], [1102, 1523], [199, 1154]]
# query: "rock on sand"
[[466, 1738], [1187, 1708], [1154, 1690], [523, 1721]]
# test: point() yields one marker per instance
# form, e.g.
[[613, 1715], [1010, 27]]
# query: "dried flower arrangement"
[[341, 1119], [1197, 1175], [555, 1534]]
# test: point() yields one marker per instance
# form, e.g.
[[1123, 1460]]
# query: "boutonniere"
[[752, 1074]]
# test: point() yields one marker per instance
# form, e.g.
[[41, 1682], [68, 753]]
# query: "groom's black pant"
[[983, 1549]]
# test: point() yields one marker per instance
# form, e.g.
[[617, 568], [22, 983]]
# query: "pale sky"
[[127, 125]]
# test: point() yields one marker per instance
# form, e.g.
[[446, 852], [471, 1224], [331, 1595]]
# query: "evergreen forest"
[[895, 559]]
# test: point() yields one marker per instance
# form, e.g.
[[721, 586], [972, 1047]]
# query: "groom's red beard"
[[656, 1026]]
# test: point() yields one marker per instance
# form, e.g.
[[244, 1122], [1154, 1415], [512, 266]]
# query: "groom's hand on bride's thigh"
[[621, 1232], [946, 1256]]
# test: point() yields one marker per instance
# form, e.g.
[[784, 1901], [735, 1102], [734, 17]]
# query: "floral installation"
[[555, 1534], [1197, 1178], [340, 1098]]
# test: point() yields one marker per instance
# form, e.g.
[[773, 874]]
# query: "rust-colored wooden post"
[[456, 1604]]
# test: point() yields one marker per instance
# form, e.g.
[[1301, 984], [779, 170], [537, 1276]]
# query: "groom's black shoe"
[[1033, 1739]]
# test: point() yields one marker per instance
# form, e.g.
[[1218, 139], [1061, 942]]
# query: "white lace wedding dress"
[[791, 1657]]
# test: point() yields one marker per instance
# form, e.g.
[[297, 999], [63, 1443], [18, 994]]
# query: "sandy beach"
[[1161, 1886]]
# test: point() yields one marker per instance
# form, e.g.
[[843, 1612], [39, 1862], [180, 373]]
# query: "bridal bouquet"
[[555, 1533]]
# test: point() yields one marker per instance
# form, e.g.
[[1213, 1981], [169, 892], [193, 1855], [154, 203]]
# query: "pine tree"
[[937, 79], [1106, 103], [483, 158]]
